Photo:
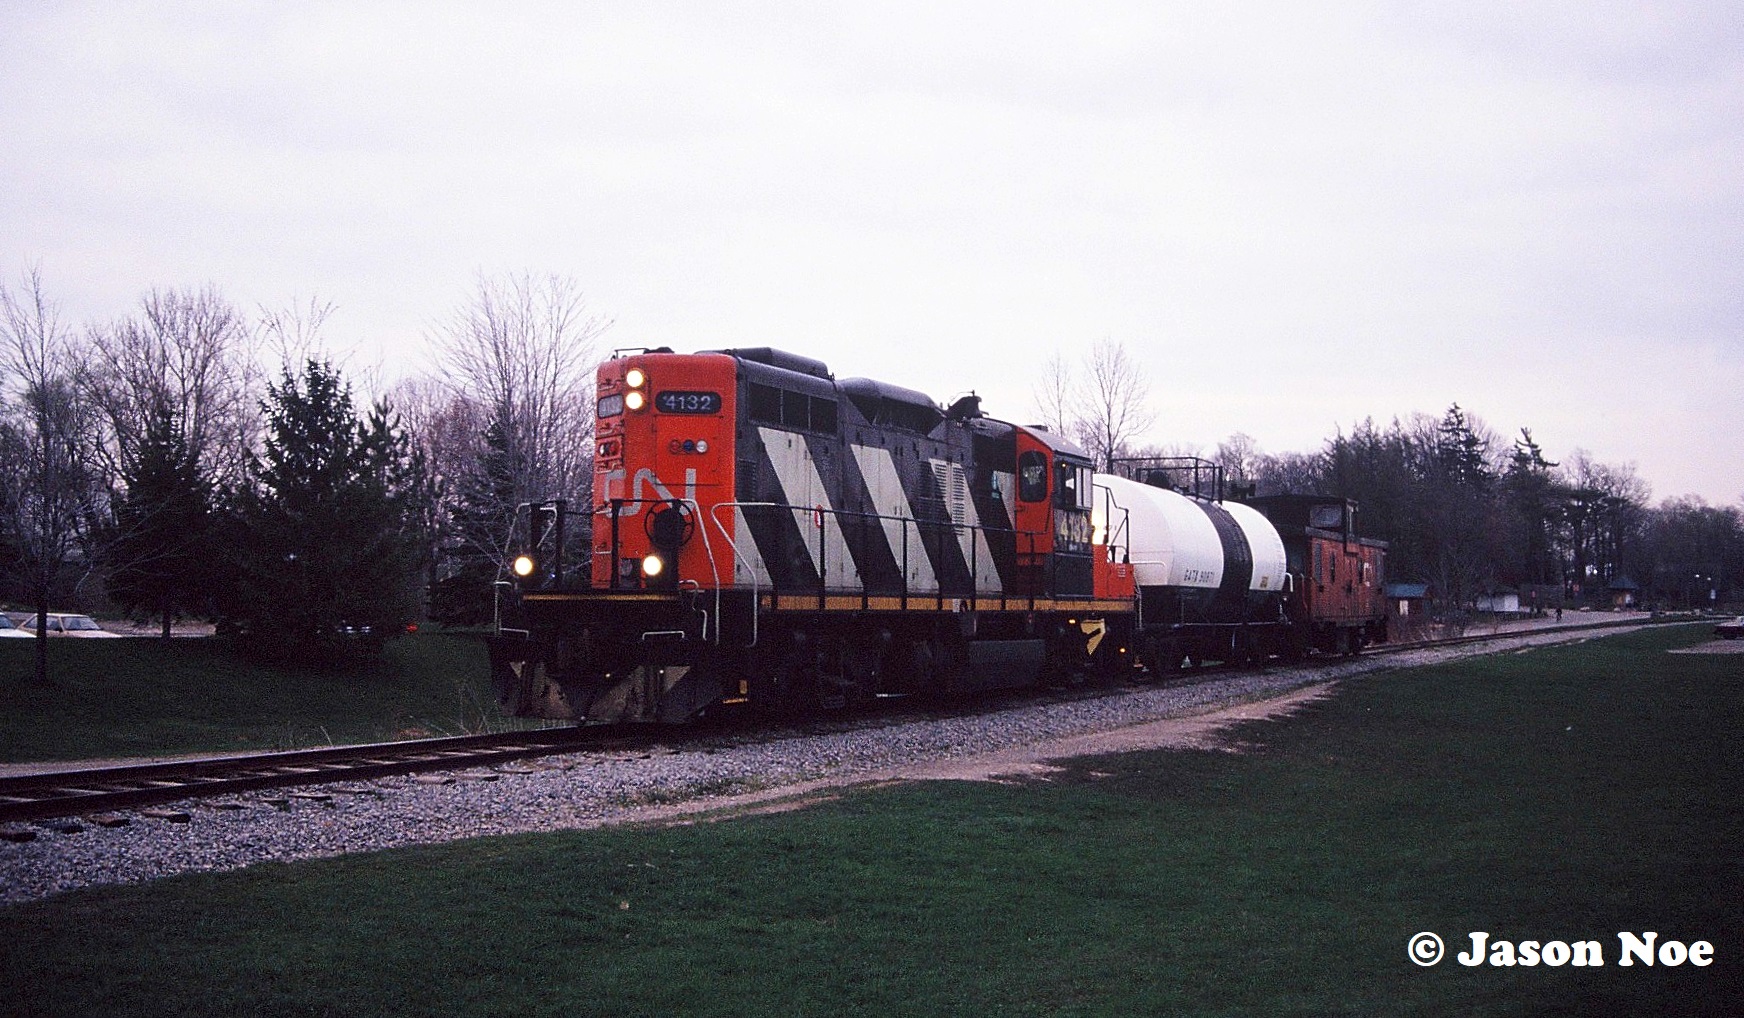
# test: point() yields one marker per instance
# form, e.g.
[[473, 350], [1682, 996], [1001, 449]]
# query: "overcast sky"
[[1294, 218]]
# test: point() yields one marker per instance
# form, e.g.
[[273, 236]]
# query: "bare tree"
[[524, 348], [509, 420], [1103, 409], [1056, 396], [186, 357], [176, 387], [1115, 398], [1239, 456], [48, 489], [293, 333]]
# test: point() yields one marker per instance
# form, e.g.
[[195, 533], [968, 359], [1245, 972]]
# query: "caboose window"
[[1032, 477]]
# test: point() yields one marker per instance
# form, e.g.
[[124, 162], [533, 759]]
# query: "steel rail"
[[85, 790]]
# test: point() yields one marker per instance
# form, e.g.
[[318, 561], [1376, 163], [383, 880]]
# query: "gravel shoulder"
[[666, 785]]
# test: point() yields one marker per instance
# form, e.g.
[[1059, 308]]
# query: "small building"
[[1624, 592], [1407, 599], [1498, 602]]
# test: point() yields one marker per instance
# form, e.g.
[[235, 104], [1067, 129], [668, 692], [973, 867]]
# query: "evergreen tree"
[[1462, 454], [159, 552], [1537, 499], [329, 533]]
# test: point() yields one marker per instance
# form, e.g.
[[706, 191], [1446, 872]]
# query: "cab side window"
[[1032, 477]]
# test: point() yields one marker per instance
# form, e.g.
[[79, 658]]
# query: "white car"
[[76, 625], [10, 628]]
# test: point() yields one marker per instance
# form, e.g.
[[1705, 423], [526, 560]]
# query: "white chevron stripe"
[[888, 499], [804, 488]]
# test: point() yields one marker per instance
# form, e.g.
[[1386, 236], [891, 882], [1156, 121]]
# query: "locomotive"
[[762, 533]]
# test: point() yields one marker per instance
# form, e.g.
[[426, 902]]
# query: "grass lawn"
[[1563, 794], [141, 696]]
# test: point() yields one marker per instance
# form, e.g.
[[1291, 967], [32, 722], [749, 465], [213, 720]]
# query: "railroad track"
[[134, 786], [81, 791]]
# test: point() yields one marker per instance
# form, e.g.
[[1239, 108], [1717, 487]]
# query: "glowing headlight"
[[635, 400], [653, 566], [634, 378], [523, 565]]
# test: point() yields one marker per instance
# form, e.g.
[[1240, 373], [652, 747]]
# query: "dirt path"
[[1035, 760]]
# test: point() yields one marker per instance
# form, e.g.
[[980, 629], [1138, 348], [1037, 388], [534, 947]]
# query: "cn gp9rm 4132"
[[763, 533]]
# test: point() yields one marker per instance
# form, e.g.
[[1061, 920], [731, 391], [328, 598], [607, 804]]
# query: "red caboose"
[[1335, 605]]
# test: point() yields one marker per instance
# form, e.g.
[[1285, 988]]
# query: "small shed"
[[1500, 602], [1623, 592], [1407, 599]]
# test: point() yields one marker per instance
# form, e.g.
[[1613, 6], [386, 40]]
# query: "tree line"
[[1466, 511], [193, 460], [158, 465]]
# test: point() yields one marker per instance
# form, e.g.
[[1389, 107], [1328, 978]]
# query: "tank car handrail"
[[1110, 529]]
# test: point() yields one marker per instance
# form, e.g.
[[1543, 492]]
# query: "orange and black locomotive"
[[761, 532]]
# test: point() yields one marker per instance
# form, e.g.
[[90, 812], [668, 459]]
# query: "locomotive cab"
[[1055, 498]]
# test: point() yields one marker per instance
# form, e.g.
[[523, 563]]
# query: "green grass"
[[137, 697], [1560, 794]]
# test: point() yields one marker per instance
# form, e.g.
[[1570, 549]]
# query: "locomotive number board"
[[675, 401]]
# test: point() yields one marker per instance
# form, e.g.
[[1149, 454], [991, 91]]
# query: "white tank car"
[[1176, 541]]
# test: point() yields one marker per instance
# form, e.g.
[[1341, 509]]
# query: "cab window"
[[1032, 477], [1071, 486]]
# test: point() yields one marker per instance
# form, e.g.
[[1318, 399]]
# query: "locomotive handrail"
[[615, 507], [904, 592]]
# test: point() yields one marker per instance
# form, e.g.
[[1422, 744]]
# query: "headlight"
[[652, 566], [634, 378], [523, 566], [635, 400]]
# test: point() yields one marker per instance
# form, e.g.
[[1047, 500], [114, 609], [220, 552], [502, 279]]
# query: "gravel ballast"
[[590, 789]]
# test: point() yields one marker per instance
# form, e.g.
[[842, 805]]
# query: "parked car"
[[1730, 630], [10, 628], [76, 625]]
